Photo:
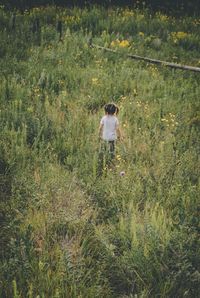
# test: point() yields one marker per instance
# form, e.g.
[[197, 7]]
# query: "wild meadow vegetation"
[[67, 231]]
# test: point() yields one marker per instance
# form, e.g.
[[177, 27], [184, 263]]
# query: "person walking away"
[[109, 132]]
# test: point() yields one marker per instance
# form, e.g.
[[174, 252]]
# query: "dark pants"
[[108, 148]]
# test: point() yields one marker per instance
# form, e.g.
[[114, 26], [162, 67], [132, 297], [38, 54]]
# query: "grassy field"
[[65, 230]]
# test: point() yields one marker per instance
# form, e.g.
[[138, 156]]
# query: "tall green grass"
[[66, 231]]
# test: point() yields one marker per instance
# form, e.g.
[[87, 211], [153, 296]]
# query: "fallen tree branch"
[[155, 61]]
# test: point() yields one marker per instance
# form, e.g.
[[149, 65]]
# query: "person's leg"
[[112, 149], [111, 154]]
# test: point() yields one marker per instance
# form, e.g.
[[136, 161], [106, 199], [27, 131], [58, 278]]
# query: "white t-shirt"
[[110, 123]]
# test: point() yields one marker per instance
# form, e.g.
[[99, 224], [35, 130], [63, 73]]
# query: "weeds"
[[66, 231]]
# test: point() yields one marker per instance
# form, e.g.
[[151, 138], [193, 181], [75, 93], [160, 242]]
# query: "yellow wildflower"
[[180, 35], [94, 80], [141, 34], [139, 103], [118, 157], [124, 44], [128, 13], [115, 43], [162, 17]]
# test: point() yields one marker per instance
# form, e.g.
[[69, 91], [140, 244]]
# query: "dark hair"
[[111, 109]]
